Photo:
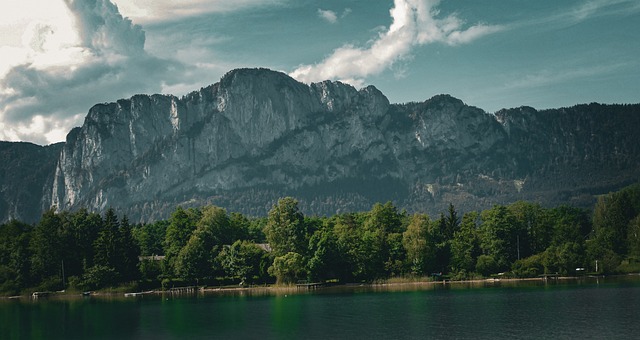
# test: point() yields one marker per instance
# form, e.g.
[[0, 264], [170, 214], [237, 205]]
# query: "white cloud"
[[549, 76], [145, 11], [328, 15], [69, 63], [72, 54], [414, 23], [596, 8], [584, 11]]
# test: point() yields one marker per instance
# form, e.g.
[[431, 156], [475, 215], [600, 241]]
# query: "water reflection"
[[589, 307]]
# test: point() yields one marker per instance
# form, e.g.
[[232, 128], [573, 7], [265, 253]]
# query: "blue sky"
[[59, 57]]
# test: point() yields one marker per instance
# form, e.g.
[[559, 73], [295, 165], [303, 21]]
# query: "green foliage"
[[256, 230], [438, 231], [150, 237], [106, 246], [499, 237], [487, 265], [419, 246], [244, 261], [46, 247], [127, 252], [563, 259], [181, 224], [451, 222], [215, 222], [385, 218], [240, 227], [465, 245], [348, 233], [633, 237], [395, 263], [195, 259], [150, 270], [531, 266], [99, 276], [115, 247], [288, 268], [286, 231], [381, 253], [325, 261], [209, 244], [610, 219], [15, 265]]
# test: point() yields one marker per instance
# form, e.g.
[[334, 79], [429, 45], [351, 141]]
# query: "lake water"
[[604, 308]]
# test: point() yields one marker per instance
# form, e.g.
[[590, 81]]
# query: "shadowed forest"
[[208, 246]]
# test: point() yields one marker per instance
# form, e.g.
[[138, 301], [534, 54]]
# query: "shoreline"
[[277, 290]]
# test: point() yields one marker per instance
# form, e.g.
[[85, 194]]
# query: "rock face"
[[26, 175], [258, 135]]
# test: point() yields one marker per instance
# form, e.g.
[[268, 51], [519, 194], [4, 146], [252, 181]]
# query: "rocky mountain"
[[26, 176], [258, 135]]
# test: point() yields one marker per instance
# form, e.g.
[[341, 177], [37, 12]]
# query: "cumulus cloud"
[[331, 16], [328, 15], [61, 72], [414, 23]]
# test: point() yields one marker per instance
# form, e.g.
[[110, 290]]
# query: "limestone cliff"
[[26, 174], [258, 135]]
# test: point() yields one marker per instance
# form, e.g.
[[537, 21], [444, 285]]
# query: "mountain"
[[258, 135], [26, 176]]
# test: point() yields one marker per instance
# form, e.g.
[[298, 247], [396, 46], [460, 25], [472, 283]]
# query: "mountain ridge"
[[257, 135]]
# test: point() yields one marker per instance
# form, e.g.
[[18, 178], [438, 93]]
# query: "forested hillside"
[[209, 246]]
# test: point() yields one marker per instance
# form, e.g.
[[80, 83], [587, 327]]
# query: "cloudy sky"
[[59, 57]]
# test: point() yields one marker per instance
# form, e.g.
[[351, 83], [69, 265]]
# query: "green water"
[[598, 309]]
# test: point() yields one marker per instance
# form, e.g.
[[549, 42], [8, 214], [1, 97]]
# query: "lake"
[[585, 308]]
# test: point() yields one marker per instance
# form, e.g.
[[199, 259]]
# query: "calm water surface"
[[588, 308]]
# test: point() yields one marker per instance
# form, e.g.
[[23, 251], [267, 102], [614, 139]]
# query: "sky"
[[60, 57]]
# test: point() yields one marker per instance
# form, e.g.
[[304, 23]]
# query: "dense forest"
[[208, 246]]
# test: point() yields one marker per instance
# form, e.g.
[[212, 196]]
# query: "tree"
[[324, 257], [150, 237], [80, 231], [288, 268], [633, 237], [243, 260], [563, 258], [128, 252], [381, 243], [451, 222], [182, 223], [487, 265], [348, 232], [106, 247], [195, 259], [438, 231], [499, 236], [285, 230], [240, 226], [418, 244], [15, 237], [384, 217], [569, 225], [532, 226], [46, 247], [256, 230], [465, 245], [395, 263], [216, 221], [611, 217]]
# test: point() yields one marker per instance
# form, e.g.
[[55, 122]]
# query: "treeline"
[[208, 246]]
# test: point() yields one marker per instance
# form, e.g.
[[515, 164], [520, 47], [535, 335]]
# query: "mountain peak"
[[258, 135]]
